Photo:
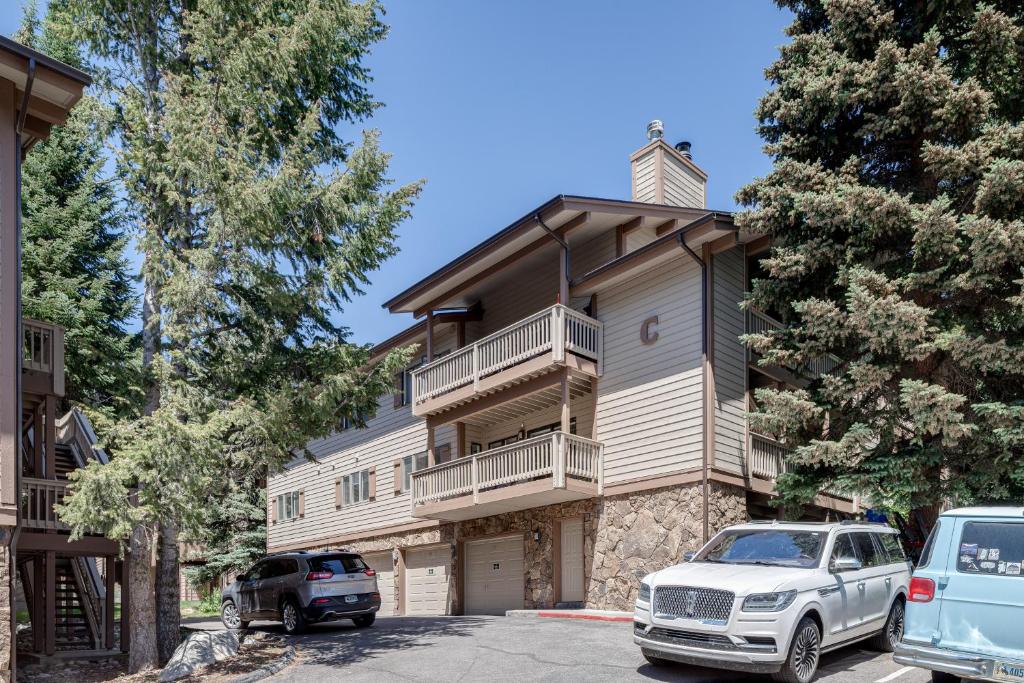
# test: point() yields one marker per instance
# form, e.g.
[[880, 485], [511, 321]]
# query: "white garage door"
[[426, 580], [385, 568], [494, 575]]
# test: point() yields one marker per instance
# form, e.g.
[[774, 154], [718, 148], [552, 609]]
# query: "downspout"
[[681, 237], [13, 541], [564, 245]]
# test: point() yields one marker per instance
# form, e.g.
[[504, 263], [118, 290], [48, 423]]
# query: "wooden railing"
[[38, 498], [556, 330], [759, 323], [767, 457], [43, 351], [558, 455]]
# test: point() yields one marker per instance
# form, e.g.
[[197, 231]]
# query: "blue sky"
[[501, 106]]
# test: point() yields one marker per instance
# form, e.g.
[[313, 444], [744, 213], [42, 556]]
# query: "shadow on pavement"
[[341, 643], [695, 674]]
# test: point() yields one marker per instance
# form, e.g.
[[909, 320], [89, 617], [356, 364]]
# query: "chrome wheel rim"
[[290, 617], [895, 629], [805, 653], [230, 614]]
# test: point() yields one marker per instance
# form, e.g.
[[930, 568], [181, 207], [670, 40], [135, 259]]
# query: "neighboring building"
[[577, 416], [63, 588]]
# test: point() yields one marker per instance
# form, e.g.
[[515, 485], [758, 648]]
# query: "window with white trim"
[[410, 464], [288, 506], [355, 488]]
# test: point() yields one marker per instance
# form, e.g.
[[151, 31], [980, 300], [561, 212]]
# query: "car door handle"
[[860, 585], [888, 581]]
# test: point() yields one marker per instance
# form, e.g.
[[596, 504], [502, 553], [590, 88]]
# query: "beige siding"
[[515, 299], [593, 253], [639, 237], [683, 187], [729, 361], [643, 178], [649, 409]]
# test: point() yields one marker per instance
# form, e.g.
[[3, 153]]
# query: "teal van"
[[965, 609]]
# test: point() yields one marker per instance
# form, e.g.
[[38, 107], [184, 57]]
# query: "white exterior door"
[[571, 549], [426, 580], [385, 568], [494, 575]]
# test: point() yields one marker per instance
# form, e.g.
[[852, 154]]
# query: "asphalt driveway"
[[496, 649]]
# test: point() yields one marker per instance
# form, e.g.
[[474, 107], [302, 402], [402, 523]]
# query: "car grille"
[[688, 638], [693, 603]]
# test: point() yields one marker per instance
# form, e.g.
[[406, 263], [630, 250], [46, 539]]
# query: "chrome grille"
[[688, 602]]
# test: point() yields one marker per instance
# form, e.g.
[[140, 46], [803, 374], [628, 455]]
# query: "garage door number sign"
[[495, 567]]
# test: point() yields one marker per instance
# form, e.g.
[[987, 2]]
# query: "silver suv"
[[302, 588]]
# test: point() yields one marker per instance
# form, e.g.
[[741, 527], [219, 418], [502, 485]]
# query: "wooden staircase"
[[74, 631]]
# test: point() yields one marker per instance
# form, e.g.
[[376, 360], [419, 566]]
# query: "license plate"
[[1006, 671], [351, 598]]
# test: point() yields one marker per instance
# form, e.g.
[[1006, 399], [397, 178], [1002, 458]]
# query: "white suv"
[[770, 597]]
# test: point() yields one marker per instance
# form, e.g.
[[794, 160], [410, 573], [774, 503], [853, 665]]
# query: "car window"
[[843, 548], [285, 566], [929, 546], [991, 548], [337, 564], [870, 555], [260, 571], [892, 547]]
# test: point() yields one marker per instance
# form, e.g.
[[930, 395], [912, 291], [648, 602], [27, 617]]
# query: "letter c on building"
[[649, 330]]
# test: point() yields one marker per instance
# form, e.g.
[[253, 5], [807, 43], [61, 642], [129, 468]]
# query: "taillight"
[[922, 590], [318, 576], [369, 572]]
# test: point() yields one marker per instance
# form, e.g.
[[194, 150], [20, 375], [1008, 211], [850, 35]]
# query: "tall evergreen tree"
[[74, 269], [256, 220], [896, 209]]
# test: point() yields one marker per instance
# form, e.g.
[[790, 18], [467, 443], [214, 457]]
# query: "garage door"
[[385, 568], [426, 580], [494, 575]]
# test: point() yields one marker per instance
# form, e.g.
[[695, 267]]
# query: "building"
[[69, 603], [576, 416]]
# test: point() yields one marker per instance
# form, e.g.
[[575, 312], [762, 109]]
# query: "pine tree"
[[256, 220], [74, 270], [896, 210]]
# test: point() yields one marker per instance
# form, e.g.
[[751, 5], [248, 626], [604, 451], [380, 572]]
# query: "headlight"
[[768, 602], [645, 592]]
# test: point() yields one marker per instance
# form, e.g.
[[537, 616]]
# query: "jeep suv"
[[770, 597], [302, 588]]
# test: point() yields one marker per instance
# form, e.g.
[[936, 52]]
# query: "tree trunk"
[[142, 607], [168, 592]]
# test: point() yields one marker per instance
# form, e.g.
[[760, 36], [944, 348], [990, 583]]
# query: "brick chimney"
[[663, 174]]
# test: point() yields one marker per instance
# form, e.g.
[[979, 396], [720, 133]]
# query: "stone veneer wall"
[[625, 538]]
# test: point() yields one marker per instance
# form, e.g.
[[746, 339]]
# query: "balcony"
[[556, 336], [544, 470], [38, 496], [759, 323], [767, 460], [43, 358]]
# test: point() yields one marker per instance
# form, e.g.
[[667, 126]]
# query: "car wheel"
[[943, 677], [653, 659], [291, 617], [231, 617], [889, 637], [804, 651], [365, 620]]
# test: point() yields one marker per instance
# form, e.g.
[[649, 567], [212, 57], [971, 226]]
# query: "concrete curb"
[[584, 614], [286, 658]]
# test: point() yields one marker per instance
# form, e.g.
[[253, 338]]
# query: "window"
[[443, 453], [403, 384], [349, 422], [410, 464], [843, 548], [893, 549], [929, 546], [337, 564], [869, 552], [991, 548], [537, 431], [355, 488], [770, 546], [288, 506]]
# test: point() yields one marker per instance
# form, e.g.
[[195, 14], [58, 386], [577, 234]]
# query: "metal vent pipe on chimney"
[[655, 130], [683, 147]]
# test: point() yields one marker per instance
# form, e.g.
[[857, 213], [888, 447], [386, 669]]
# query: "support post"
[[51, 437], [430, 336], [565, 420], [108, 608], [557, 334], [51, 602], [563, 276], [126, 634], [37, 442], [460, 438], [558, 456], [475, 474], [430, 446], [38, 603]]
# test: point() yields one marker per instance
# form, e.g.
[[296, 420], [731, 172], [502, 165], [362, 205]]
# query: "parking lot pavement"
[[496, 649]]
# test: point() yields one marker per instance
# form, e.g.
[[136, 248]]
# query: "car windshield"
[[775, 547]]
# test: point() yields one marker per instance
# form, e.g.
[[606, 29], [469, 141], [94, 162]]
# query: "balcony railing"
[[43, 353], [759, 323], [553, 330], [558, 456], [38, 498], [767, 457]]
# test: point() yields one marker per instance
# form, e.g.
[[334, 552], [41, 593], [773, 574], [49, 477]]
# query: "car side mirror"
[[845, 564], [689, 555]]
